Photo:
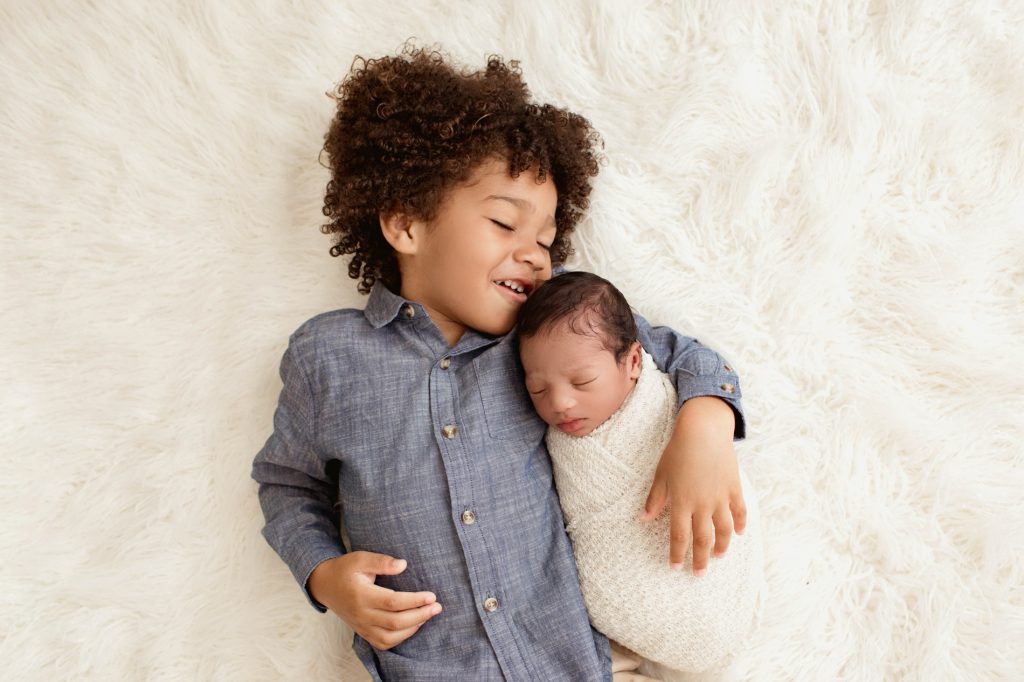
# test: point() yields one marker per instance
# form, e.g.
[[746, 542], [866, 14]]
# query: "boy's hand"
[[699, 479], [382, 617]]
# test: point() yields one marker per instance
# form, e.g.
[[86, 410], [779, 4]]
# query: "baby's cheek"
[[538, 407]]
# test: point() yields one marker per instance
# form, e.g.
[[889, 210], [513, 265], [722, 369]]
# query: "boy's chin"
[[496, 327]]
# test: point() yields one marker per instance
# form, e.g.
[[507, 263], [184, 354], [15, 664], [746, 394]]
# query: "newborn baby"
[[610, 412]]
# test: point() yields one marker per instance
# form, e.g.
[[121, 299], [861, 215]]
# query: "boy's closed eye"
[[511, 228]]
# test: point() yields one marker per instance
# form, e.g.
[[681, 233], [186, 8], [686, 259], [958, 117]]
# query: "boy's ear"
[[401, 231]]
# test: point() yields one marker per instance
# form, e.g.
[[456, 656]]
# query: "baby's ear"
[[635, 360], [400, 231]]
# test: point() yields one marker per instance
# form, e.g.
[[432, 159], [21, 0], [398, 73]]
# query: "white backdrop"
[[829, 195]]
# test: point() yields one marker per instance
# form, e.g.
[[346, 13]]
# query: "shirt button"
[[727, 368], [468, 517], [446, 363], [490, 605], [728, 388], [449, 431], [408, 310]]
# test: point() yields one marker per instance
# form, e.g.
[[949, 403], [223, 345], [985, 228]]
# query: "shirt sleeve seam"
[[314, 403]]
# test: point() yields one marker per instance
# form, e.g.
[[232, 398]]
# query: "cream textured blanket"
[[670, 617]]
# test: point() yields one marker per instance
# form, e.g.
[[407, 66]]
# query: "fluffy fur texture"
[[829, 194]]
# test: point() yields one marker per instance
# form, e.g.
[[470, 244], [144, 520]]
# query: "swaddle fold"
[[632, 595]]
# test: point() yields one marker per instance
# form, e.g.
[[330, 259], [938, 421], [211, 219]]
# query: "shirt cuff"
[[725, 385], [308, 560]]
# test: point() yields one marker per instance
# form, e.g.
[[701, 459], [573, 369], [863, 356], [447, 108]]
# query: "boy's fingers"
[[382, 639], [739, 514], [397, 621], [383, 599], [679, 538], [723, 531], [656, 499], [379, 564], [703, 541]]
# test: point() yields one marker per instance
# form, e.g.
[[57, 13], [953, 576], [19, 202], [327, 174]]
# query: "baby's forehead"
[[582, 338], [579, 339]]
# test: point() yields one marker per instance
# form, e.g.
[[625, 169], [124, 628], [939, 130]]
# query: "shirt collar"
[[383, 305]]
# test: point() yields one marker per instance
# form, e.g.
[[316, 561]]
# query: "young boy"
[[454, 194], [610, 412]]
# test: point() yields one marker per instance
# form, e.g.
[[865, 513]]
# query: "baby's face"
[[574, 382]]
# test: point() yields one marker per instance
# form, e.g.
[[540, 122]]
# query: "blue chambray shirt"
[[380, 417]]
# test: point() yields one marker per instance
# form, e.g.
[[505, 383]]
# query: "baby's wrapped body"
[[668, 616]]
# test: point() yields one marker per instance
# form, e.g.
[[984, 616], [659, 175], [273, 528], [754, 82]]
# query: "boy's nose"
[[532, 253]]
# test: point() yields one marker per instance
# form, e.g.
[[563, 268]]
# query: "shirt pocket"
[[507, 408]]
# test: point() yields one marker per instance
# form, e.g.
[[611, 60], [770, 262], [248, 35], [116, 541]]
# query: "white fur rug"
[[831, 196]]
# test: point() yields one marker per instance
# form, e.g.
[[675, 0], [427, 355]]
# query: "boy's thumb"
[[388, 565]]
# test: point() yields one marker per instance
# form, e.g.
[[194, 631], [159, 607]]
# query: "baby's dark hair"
[[589, 304], [410, 127]]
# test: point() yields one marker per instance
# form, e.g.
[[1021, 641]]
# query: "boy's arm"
[[296, 490], [697, 474], [695, 369]]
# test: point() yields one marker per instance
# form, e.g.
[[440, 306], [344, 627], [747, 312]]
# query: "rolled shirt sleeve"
[[696, 370], [297, 488]]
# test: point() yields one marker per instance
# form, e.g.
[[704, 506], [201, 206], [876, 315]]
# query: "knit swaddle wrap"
[[632, 595]]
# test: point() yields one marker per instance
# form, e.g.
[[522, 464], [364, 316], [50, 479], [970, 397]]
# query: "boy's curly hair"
[[410, 127]]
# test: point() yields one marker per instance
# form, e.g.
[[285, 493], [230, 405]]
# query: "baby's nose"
[[563, 401]]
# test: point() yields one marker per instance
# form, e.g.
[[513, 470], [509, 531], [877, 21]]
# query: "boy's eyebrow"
[[518, 203], [515, 201]]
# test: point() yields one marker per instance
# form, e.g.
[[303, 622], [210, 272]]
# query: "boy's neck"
[[450, 329]]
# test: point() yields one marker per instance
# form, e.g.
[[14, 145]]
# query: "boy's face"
[[574, 382], [491, 230]]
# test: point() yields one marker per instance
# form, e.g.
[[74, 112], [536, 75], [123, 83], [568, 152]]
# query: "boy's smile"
[[475, 263], [517, 289]]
